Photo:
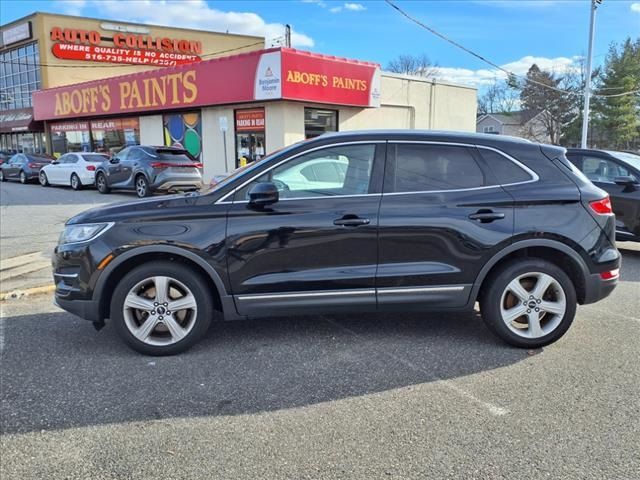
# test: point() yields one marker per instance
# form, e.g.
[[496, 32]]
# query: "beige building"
[[45, 50]]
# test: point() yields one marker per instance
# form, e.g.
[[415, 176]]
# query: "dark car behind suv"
[[410, 221], [148, 169], [23, 167], [618, 173]]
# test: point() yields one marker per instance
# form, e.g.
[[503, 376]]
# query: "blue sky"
[[512, 33]]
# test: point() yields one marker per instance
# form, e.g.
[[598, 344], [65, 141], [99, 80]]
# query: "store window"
[[184, 130], [31, 142], [250, 135], [19, 76], [70, 137], [318, 121], [111, 136]]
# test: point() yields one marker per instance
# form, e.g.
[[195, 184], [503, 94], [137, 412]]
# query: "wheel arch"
[[554, 251], [125, 262]]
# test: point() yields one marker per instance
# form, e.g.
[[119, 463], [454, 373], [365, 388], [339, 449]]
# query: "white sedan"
[[75, 169]]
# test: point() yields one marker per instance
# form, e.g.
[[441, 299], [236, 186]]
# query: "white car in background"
[[75, 169]]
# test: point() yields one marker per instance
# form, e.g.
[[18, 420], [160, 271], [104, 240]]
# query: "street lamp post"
[[587, 87]]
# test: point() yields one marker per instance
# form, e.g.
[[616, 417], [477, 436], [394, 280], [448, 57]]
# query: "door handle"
[[486, 216], [351, 221]]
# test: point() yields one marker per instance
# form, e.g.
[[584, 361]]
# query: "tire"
[[76, 184], [101, 183], [44, 181], [190, 324], [142, 186], [2, 179], [499, 304], [23, 177]]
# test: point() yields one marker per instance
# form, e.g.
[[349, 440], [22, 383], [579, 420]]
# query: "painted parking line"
[[447, 384]]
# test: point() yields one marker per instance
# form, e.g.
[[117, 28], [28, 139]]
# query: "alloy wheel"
[[23, 177], [74, 182], [101, 183], [160, 311], [533, 305], [43, 179], [141, 187]]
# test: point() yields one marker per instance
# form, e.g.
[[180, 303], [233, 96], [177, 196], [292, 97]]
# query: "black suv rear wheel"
[[161, 308], [529, 303]]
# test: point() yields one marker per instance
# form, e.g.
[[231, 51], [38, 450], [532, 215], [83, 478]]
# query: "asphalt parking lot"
[[386, 396]]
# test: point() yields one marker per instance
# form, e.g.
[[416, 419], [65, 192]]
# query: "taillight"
[[610, 274], [91, 168], [33, 165], [168, 165], [602, 206]]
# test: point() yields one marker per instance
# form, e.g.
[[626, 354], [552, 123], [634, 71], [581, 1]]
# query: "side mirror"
[[626, 181], [55, 162], [263, 194], [114, 160]]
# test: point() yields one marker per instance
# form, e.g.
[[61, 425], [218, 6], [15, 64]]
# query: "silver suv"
[[148, 169]]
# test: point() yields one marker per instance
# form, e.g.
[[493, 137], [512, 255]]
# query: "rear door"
[[442, 217]]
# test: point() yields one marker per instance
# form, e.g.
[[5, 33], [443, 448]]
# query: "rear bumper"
[[179, 185], [596, 288]]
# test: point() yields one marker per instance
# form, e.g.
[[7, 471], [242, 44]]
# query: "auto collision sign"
[[91, 46]]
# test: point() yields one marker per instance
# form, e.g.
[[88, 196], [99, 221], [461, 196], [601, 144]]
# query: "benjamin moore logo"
[[268, 72]]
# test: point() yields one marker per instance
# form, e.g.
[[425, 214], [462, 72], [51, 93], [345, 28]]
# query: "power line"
[[10, 62], [486, 60]]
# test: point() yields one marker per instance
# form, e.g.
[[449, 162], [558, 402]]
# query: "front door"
[[440, 221], [115, 168], [318, 244]]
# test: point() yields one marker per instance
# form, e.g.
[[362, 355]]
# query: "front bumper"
[[85, 309]]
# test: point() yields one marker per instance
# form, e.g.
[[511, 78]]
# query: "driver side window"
[[340, 170], [602, 170]]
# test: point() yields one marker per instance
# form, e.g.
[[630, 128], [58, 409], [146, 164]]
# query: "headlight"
[[83, 232]]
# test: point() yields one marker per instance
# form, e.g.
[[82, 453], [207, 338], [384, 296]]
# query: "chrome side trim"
[[359, 142], [316, 198], [65, 275], [328, 293], [393, 290]]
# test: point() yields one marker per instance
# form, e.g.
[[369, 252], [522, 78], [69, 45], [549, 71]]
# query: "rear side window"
[[504, 170], [421, 168], [94, 158]]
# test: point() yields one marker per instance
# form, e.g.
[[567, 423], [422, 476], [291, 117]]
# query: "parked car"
[[24, 167], [421, 221], [75, 169], [6, 155], [148, 169], [618, 173]]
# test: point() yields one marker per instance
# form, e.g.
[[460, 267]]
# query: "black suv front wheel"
[[529, 303], [161, 308]]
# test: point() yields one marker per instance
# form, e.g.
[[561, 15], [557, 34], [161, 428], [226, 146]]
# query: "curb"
[[17, 294]]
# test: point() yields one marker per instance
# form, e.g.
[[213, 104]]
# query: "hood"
[[137, 210]]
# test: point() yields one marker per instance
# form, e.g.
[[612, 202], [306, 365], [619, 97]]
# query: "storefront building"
[[234, 109], [43, 51]]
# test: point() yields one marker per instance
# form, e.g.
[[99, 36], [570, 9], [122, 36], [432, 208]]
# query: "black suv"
[[617, 173], [352, 222], [148, 169]]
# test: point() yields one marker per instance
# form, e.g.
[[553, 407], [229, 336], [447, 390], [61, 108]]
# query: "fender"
[[535, 242], [228, 305]]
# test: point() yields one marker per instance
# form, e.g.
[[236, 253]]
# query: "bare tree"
[[500, 97], [419, 65]]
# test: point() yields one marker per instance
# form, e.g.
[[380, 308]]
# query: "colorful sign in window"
[[184, 130]]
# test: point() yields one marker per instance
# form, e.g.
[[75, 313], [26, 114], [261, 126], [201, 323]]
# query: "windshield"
[[93, 157], [34, 158], [630, 158]]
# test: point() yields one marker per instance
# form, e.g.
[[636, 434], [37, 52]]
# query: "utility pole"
[[287, 36], [587, 87]]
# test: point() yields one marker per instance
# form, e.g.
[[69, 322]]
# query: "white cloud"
[[72, 7], [335, 9], [354, 7], [194, 14], [485, 76], [635, 7]]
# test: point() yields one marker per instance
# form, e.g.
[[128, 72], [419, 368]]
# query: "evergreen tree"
[[619, 117]]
